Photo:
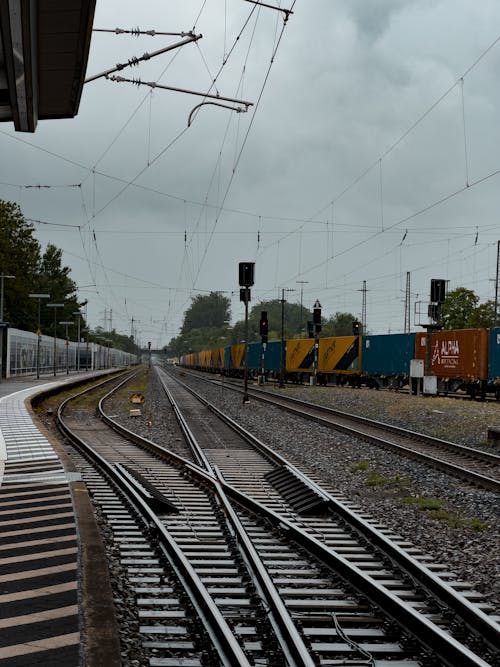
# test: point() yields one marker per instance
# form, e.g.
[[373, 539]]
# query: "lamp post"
[[67, 324], [2, 323], [78, 315], [55, 306], [106, 358], [39, 330]]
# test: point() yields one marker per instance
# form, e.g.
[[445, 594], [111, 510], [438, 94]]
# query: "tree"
[[457, 312], [483, 315], [19, 257], [116, 340], [293, 320], [207, 312], [54, 279], [339, 324]]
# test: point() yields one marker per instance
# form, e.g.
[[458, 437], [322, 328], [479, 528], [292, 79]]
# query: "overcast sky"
[[370, 151]]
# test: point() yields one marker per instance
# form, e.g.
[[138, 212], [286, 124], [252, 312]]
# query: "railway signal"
[[356, 328], [438, 290], [317, 316], [264, 330], [263, 326]]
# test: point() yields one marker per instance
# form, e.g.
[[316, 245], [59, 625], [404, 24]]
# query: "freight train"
[[461, 360]]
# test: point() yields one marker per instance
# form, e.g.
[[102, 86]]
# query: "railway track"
[[280, 571], [477, 467]]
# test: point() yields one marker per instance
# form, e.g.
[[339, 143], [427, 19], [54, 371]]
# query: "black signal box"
[[246, 271], [263, 326], [438, 290]]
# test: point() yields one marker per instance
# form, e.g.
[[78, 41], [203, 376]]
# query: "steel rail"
[[286, 632], [224, 641], [470, 614], [450, 650], [306, 410]]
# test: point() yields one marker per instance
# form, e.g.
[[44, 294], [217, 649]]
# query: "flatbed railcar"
[[462, 360]]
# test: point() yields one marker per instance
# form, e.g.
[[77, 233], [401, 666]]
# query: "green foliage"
[[294, 320], [339, 324], [19, 257], [484, 315], [424, 503], [116, 340], [478, 525], [376, 479], [200, 333], [457, 311], [206, 312], [462, 310], [34, 274], [53, 278], [362, 465]]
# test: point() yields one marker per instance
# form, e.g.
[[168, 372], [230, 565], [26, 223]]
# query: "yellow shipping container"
[[339, 354], [299, 355]]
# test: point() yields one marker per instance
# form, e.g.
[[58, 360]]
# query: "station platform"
[[40, 623]]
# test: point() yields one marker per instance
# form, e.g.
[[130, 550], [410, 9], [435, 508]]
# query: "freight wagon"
[[464, 359]]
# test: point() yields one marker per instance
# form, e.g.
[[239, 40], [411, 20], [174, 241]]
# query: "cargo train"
[[461, 360]]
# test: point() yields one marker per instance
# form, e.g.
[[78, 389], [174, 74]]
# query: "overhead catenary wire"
[[257, 104]]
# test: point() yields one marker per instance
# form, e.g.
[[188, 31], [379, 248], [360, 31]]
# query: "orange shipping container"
[[459, 353]]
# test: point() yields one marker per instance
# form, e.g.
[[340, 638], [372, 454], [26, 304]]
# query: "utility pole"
[[363, 290], [282, 359], [407, 304], [495, 321]]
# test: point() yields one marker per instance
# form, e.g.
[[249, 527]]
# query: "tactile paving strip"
[[39, 623]]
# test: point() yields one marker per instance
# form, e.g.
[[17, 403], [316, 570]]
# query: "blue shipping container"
[[272, 357], [387, 354], [494, 354]]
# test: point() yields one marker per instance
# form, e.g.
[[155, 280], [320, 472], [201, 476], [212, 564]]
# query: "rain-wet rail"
[[293, 582], [474, 466], [298, 497]]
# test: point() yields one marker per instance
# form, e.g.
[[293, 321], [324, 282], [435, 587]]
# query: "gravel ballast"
[[459, 526]]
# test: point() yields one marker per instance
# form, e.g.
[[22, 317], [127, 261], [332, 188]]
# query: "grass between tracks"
[[402, 489]]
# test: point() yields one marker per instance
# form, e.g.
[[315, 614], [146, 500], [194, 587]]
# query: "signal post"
[[246, 279], [263, 329], [317, 330]]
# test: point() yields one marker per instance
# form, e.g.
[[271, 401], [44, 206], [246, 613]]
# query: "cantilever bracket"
[[286, 12], [153, 84], [146, 56], [215, 104]]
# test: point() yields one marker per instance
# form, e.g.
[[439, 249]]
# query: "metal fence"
[[23, 346]]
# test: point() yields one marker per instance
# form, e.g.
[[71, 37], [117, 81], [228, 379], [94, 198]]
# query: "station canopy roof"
[[44, 47]]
